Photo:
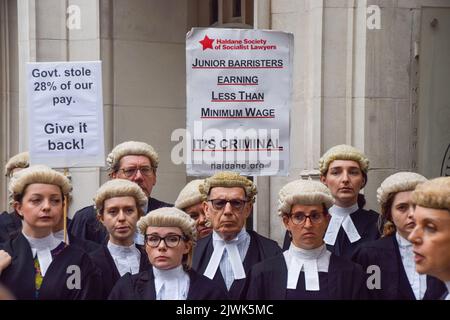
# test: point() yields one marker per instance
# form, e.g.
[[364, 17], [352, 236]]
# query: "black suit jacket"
[[141, 286], [260, 248], [268, 280], [385, 254], [86, 226]]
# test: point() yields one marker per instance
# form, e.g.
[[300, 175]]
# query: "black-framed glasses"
[[171, 241], [130, 172], [219, 204], [300, 218]]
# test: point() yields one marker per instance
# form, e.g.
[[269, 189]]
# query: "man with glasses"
[[307, 270], [131, 160], [226, 255]]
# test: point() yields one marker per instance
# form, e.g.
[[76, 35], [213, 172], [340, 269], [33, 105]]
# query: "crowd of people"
[[129, 245]]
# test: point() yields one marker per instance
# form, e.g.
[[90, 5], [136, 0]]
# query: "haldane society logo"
[[236, 44]]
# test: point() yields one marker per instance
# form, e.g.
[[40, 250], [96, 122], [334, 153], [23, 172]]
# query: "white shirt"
[[231, 266], [172, 284], [341, 217], [418, 282], [310, 261], [60, 236], [448, 290], [126, 259], [42, 247]]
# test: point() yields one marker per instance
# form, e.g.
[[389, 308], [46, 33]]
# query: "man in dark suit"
[[131, 160], [226, 255]]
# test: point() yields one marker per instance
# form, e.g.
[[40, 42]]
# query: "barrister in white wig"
[[190, 200], [10, 222], [227, 254], [431, 235], [343, 169], [393, 253], [135, 161], [170, 235], [307, 270], [119, 204], [41, 264]]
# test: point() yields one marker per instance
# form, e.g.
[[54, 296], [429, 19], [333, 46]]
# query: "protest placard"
[[239, 86], [65, 114]]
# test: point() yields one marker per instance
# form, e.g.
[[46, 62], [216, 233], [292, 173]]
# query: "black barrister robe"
[[394, 282], [365, 222], [260, 248], [86, 226], [11, 226], [19, 276], [141, 286], [268, 280], [103, 260]]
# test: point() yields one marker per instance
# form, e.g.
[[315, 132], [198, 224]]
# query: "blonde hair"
[[228, 179], [120, 188], [171, 217]]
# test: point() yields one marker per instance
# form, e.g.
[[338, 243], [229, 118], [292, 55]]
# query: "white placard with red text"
[[239, 85]]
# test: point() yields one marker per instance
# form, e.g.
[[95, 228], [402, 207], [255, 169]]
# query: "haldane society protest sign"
[[239, 86], [65, 109]]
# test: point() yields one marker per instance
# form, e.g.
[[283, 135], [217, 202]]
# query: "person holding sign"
[[42, 266], [227, 254], [393, 254], [10, 222], [119, 204], [190, 200], [343, 169], [131, 160], [170, 235], [307, 270], [431, 235]]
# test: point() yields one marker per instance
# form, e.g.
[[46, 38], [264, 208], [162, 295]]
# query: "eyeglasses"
[[219, 204], [171, 240], [130, 172], [300, 218]]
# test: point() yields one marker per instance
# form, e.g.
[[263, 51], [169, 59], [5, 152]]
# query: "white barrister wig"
[[343, 152], [229, 179], [135, 148], [304, 192], [433, 194], [190, 195], [169, 217], [37, 174], [20, 160], [120, 188], [398, 182]]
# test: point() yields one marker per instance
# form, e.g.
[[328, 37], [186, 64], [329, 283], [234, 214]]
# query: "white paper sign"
[[239, 85], [65, 109]]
